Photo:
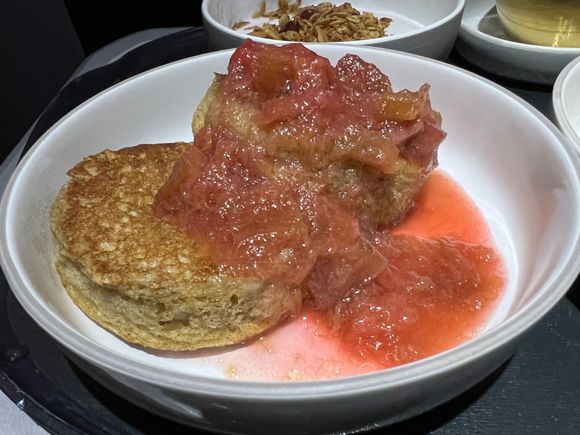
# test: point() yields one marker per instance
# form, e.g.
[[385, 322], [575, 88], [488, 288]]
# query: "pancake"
[[142, 278]]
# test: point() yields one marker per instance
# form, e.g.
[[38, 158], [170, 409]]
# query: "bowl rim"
[[515, 45], [374, 41], [100, 356], [560, 112]]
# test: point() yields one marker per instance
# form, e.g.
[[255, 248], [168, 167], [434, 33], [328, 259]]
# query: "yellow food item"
[[554, 23]]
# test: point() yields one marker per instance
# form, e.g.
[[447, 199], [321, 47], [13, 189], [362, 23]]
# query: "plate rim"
[[560, 113], [374, 41]]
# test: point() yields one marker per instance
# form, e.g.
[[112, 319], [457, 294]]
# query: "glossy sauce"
[[300, 176], [297, 167], [402, 325]]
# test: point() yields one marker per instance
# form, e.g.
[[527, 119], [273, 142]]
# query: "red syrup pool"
[[444, 284]]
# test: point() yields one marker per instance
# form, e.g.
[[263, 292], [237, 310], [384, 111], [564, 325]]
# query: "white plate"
[[484, 43], [425, 27], [514, 163], [566, 101]]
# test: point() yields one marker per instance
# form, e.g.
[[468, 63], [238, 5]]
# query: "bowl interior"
[[508, 159], [408, 15]]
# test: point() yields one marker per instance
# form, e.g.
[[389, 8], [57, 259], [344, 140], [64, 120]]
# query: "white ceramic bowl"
[[484, 42], [514, 163], [425, 27], [566, 101]]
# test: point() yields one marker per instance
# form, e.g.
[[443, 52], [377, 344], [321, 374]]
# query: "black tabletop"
[[536, 391]]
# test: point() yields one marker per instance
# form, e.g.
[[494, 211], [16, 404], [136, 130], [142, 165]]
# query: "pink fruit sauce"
[[299, 177], [410, 321]]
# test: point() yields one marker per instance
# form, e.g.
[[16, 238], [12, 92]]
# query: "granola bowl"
[[424, 27]]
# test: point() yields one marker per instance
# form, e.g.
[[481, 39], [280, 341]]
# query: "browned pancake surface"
[[140, 277]]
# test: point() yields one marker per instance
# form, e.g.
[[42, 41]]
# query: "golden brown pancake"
[[140, 277]]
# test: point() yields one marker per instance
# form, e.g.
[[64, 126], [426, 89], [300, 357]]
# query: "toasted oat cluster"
[[324, 22]]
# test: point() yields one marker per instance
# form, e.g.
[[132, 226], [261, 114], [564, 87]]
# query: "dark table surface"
[[536, 391]]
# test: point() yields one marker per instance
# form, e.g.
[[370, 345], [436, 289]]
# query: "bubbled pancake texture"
[[109, 226], [139, 276]]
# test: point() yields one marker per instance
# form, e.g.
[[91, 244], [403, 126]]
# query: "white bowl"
[[484, 42], [514, 163], [566, 101], [425, 27]]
